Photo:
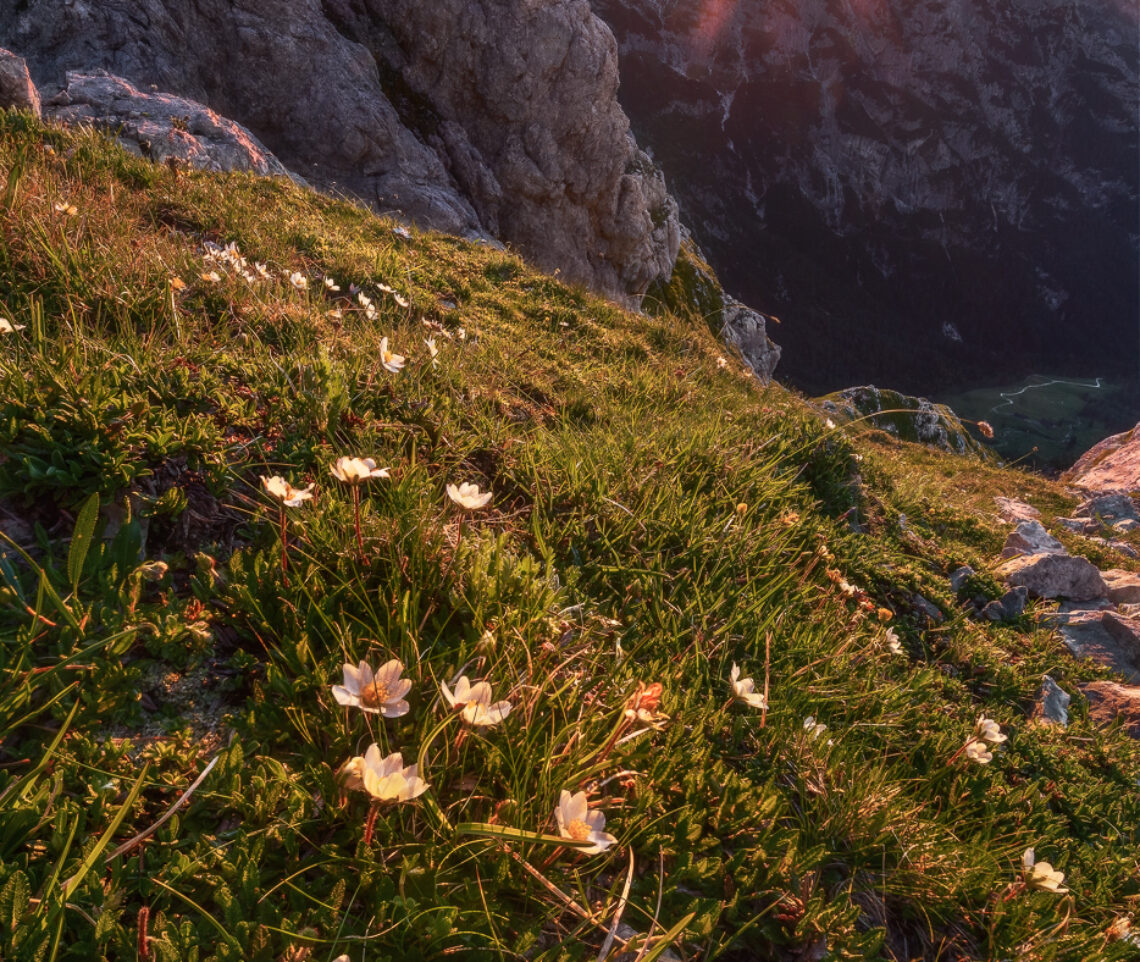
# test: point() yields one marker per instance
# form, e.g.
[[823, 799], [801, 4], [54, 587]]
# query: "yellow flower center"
[[374, 695], [579, 830]]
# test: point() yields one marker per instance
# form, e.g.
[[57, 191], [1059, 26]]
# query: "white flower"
[[356, 470], [213, 277], [814, 728], [299, 281], [68, 210], [744, 689], [848, 589], [467, 496], [330, 284], [392, 361], [976, 751], [893, 644], [385, 779], [989, 731], [577, 822], [1041, 875], [475, 701], [381, 693], [461, 334], [363, 299], [432, 350], [7, 327], [262, 270], [722, 362], [281, 490]]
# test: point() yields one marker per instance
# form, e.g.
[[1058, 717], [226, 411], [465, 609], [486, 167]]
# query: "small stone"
[[1053, 702], [1016, 511], [1014, 601], [1125, 525], [1030, 537], [1079, 525], [995, 611], [1048, 575], [959, 576], [928, 608]]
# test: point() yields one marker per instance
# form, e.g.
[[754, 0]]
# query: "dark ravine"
[[928, 193]]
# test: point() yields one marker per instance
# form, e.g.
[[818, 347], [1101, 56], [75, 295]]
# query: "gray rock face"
[[943, 158], [1030, 537], [478, 117], [1049, 575], [160, 126], [747, 331], [16, 87]]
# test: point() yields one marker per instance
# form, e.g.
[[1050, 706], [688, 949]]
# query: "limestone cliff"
[[480, 117]]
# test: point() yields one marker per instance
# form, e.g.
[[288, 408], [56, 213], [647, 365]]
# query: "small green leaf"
[[81, 539]]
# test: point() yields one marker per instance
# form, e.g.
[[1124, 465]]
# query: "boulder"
[[1016, 511], [160, 126], [1121, 547], [1109, 507], [16, 87], [1030, 537], [1111, 465], [1125, 631], [1014, 601], [1123, 586], [1050, 575], [1109, 701], [1079, 525]]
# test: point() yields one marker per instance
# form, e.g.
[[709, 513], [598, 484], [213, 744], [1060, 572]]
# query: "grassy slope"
[[655, 518]]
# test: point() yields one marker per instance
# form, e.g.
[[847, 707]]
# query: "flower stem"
[[370, 823], [284, 543], [356, 509]]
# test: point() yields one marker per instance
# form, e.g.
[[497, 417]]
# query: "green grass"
[[655, 519]]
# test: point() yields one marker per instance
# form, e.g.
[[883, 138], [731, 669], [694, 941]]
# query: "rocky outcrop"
[[16, 87], [160, 126], [964, 174], [478, 117], [747, 331], [1111, 465], [907, 418]]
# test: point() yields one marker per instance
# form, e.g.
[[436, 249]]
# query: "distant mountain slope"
[[928, 192]]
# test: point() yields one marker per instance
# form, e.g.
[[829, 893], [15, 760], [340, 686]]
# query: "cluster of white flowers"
[[229, 258]]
